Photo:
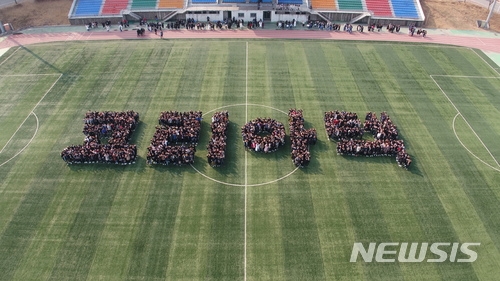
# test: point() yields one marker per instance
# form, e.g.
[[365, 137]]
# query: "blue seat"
[[297, 2], [405, 9], [88, 7]]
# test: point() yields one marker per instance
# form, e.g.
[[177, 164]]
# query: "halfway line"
[[246, 162]]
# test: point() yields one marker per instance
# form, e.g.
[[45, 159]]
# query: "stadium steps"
[[379, 8], [323, 4], [171, 14], [88, 8], [114, 7], [405, 9], [132, 14], [362, 16]]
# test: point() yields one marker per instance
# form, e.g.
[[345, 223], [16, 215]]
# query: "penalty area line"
[[24, 121], [465, 120], [496, 71], [460, 141], [10, 56], [20, 151]]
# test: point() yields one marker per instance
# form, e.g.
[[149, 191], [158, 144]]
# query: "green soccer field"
[[257, 217]]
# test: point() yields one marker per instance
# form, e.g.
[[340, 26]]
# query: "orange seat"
[[178, 4], [324, 4]]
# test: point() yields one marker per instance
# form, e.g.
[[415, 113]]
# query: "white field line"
[[246, 174], [485, 147], [456, 135], [10, 56], [19, 152], [241, 104], [31, 112], [496, 71], [242, 185]]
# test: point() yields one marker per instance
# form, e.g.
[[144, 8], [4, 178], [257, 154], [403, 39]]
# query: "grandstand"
[[402, 12]]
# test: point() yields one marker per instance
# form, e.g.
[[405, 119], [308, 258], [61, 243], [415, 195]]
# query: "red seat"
[[113, 7], [379, 7]]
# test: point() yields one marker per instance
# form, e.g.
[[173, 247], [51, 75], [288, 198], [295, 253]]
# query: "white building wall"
[[288, 17], [248, 15]]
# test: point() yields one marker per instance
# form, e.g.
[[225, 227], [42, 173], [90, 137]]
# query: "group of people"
[[263, 135], [300, 138], [288, 7], [341, 125], [178, 24], [380, 129], [346, 129], [412, 29], [175, 128], [217, 146], [95, 24], [116, 127], [255, 24], [192, 24], [287, 24], [391, 28], [155, 27]]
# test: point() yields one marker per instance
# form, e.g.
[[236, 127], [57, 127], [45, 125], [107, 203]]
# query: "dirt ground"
[[447, 14], [36, 13], [453, 14]]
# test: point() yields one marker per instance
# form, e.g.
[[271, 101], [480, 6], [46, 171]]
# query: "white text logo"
[[404, 252]]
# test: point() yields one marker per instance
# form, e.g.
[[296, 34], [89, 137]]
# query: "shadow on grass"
[[173, 170], [414, 168], [137, 167], [386, 160], [314, 167]]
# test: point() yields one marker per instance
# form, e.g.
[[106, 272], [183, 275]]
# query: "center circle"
[[249, 185]]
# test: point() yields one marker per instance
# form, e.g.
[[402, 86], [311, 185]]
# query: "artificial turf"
[[143, 222]]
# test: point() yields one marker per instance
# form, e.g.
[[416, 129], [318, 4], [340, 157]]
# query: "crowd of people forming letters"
[[300, 138], [176, 137], [175, 128], [116, 128], [217, 146], [347, 130], [263, 135]]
